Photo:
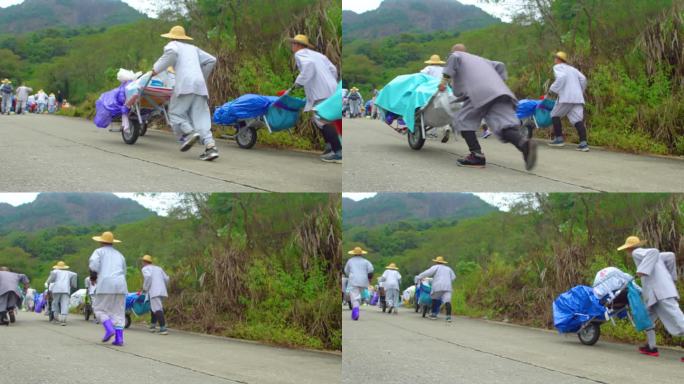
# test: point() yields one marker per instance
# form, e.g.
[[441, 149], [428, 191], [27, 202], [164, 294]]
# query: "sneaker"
[[486, 134], [163, 331], [448, 319], [648, 351], [209, 154], [432, 317], [530, 155], [327, 150], [152, 328], [446, 136], [187, 141], [333, 157], [473, 160], [583, 147], [557, 142], [63, 323]]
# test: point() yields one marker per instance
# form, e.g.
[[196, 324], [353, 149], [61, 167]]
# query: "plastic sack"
[[138, 304], [125, 75], [39, 303], [111, 104], [440, 110], [573, 308], [134, 87], [331, 108], [244, 107], [642, 321], [424, 297], [284, 113], [542, 115], [365, 295], [526, 108], [374, 299]]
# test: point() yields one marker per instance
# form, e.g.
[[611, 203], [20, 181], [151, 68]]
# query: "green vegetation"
[[261, 267], [511, 265], [630, 51]]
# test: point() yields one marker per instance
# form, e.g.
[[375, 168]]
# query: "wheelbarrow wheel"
[[416, 139], [128, 321], [590, 334], [246, 137], [131, 135], [143, 130]]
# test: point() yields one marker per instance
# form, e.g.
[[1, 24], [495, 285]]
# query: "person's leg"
[[559, 111], [180, 120], [651, 349], [55, 307], [64, 307], [446, 299], [467, 121], [576, 117], [155, 306], [503, 122], [117, 310], [200, 116], [355, 296], [101, 307], [670, 314], [436, 303]]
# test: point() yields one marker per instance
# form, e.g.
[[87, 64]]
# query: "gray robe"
[[658, 280], [478, 79]]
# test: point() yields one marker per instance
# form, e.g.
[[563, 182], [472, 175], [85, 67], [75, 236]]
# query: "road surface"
[[377, 159], [403, 349], [35, 351], [55, 153]]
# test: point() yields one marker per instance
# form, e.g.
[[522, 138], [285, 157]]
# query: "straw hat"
[[357, 251], [177, 33], [354, 89], [301, 39], [435, 59], [106, 237], [440, 260], [148, 259], [392, 266], [631, 242], [60, 265], [4, 81], [561, 55]]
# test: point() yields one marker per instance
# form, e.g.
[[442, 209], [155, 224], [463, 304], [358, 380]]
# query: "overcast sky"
[[159, 203], [501, 200], [141, 5], [499, 10]]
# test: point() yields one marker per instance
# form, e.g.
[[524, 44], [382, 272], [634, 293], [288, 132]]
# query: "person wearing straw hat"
[[64, 282], [480, 84], [22, 98], [42, 99], [569, 85], [355, 102], [189, 106], [391, 278], [108, 272], [10, 295], [6, 91], [442, 278], [435, 67], [658, 273], [318, 76], [155, 281], [360, 272]]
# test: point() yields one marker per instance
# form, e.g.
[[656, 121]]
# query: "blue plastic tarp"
[[110, 105], [541, 109], [642, 321], [137, 303], [575, 307], [331, 108], [406, 93], [244, 107], [526, 108]]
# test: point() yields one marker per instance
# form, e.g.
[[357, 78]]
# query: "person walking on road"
[[42, 99], [390, 279], [155, 281], [108, 271], [569, 86], [658, 273], [189, 106], [480, 84], [22, 99], [10, 295], [355, 102], [360, 272], [318, 76], [442, 277], [6, 91], [435, 67], [64, 282]]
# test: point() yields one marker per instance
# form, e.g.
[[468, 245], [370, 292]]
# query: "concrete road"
[[34, 351], [382, 348], [54, 153], [378, 159]]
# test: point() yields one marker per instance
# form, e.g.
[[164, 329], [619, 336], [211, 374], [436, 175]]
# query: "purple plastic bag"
[[110, 105], [374, 300]]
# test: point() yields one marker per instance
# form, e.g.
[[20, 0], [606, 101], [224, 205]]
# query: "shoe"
[[355, 313], [327, 150], [448, 319], [118, 339], [109, 330], [583, 147], [446, 136], [152, 328], [3, 319], [332, 157], [209, 154], [187, 141], [557, 142], [432, 316], [12, 318], [390, 309], [473, 161], [163, 331], [648, 351], [486, 134], [530, 155]]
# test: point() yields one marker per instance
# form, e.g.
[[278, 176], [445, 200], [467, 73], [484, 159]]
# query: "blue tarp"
[[331, 108], [284, 112], [541, 109], [111, 104], [244, 107], [642, 321], [406, 93], [137, 303], [526, 108], [575, 307]]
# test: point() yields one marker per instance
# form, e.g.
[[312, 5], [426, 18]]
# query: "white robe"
[[357, 270], [390, 279], [317, 75], [434, 71], [64, 281], [569, 84], [192, 65], [110, 266], [155, 281]]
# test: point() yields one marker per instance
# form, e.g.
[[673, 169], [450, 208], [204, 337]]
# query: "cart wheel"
[[527, 130], [415, 139], [590, 334], [131, 136], [128, 321], [246, 137], [143, 131]]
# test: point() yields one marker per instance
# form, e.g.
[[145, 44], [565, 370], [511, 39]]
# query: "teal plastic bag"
[[331, 108], [642, 321], [284, 113], [543, 113]]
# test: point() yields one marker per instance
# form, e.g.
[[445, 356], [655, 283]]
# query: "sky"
[[159, 203], [499, 10], [503, 201], [140, 5]]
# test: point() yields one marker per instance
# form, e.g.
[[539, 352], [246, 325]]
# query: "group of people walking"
[[22, 100]]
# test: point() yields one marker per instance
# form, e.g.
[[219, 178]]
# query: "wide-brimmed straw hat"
[[60, 265], [631, 242], [354, 89], [435, 59], [177, 33], [561, 55], [148, 259], [357, 251], [440, 260], [106, 237], [392, 266], [301, 39]]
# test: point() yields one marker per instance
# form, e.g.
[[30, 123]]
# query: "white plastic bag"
[[441, 110], [126, 75]]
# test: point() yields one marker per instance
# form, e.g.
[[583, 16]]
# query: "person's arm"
[[583, 81], [74, 281], [94, 266], [146, 279], [428, 273], [306, 71], [648, 263], [558, 82], [168, 59], [332, 69], [166, 278], [207, 62], [500, 69]]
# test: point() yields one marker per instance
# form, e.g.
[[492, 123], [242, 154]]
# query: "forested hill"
[[395, 17], [33, 15]]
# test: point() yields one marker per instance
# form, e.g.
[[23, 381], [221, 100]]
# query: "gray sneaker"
[[333, 157], [187, 141], [209, 154], [583, 147]]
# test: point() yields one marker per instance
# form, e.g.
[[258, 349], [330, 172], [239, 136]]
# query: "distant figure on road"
[[10, 295], [435, 67], [6, 91], [52, 103], [64, 281], [189, 106], [658, 273], [442, 277], [355, 102], [480, 84], [155, 282], [390, 279], [30, 300], [22, 99], [108, 271], [569, 86], [360, 272]]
